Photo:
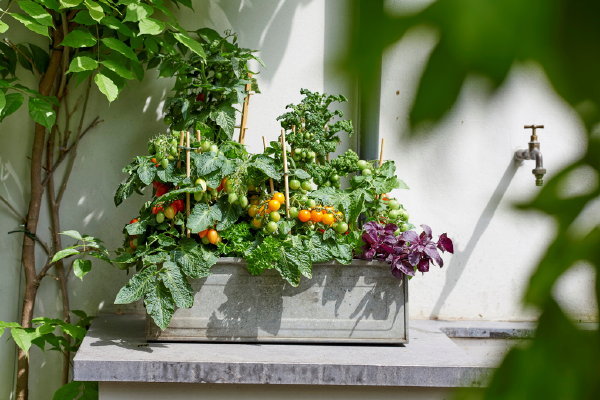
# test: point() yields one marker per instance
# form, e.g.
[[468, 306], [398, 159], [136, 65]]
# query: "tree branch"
[[18, 215]]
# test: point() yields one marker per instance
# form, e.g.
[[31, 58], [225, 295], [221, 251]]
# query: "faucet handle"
[[534, 137]]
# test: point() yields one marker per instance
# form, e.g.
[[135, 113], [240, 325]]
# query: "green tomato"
[[202, 183], [160, 217], [229, 187], [362, 164], [205, 240], [218, 75], [272, 227], [274, 216], [295, 184], [311, 203], [404, 215], [164, 163], [393, 204], [214, 148], [170, 157], [404, 227], [335, 178], [205, 145], [293, 212], [342, 228], [173, 150], [198, 196], [394, 214], [232, 198], [326, 183], [367, 172], [303, 199], [243, 200], [170, 212], [311, 154], [306, 185]]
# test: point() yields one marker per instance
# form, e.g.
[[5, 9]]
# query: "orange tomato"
[[213, 236], [304, 215], [328, 219], [256, 223], [316, 216], [203, 233], [279, 197], [252, 211], [274, 205]]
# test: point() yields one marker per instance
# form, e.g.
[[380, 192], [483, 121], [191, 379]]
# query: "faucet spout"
[[539, 171]]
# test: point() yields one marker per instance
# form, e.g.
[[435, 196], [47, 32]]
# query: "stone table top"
[[115, 350]]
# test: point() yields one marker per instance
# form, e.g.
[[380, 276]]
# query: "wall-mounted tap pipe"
[[533, 153]]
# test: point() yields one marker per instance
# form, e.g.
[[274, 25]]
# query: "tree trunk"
[[47, 82]]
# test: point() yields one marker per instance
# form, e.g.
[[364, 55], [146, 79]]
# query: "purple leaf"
[[427, 230], [414, 258], [423, 265], [410, 236], [445, 243], [432, 252]]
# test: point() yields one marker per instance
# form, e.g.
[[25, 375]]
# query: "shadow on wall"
[[461, 258], [260, 24]]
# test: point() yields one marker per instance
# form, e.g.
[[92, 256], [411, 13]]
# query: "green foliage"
[[44, 332], [486, 39], [77, 391], [211, 79]]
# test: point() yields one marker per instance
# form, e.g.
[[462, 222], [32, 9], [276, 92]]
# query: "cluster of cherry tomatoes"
[[210, 236], [267, 213], [327, 216]]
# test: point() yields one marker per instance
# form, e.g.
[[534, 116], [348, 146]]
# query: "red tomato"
[[133, 221], [178, 205], [156, 209]]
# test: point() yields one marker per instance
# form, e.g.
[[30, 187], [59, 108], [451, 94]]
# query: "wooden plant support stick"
[[187, 173], [245, 112], [270, 179], [285, 174], [198, 135], [181, 138], [381, 153]]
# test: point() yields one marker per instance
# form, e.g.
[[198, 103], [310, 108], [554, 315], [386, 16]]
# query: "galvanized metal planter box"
[[357, 303]]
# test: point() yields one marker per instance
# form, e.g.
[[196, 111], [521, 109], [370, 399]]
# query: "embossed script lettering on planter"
[[361, 303]]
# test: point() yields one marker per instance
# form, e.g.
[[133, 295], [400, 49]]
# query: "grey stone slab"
[[115, 350]]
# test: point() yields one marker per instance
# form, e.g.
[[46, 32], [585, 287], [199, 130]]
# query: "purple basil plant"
[[406, 252]]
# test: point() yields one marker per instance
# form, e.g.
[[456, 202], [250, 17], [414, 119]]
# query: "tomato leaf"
[[195, 262], [159, 303], [146, 172], [137, 286], [203, 217], [81, 267], [3, 27], [180, 289]]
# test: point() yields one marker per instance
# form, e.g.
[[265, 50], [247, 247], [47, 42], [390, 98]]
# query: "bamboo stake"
[[270, 179], [181, 138], [198, 135], [245, 112], [381, 153], [285, 174], [188, 173]]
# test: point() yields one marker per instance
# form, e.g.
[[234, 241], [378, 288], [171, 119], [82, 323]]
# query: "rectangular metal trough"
[[357, 303]]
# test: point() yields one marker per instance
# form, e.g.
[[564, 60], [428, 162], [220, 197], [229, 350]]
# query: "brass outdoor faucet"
[[533, 153]]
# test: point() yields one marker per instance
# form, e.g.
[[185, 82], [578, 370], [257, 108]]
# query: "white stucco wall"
[[461, 177]]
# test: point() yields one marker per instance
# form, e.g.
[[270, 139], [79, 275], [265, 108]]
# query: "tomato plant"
[[238, 208]]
